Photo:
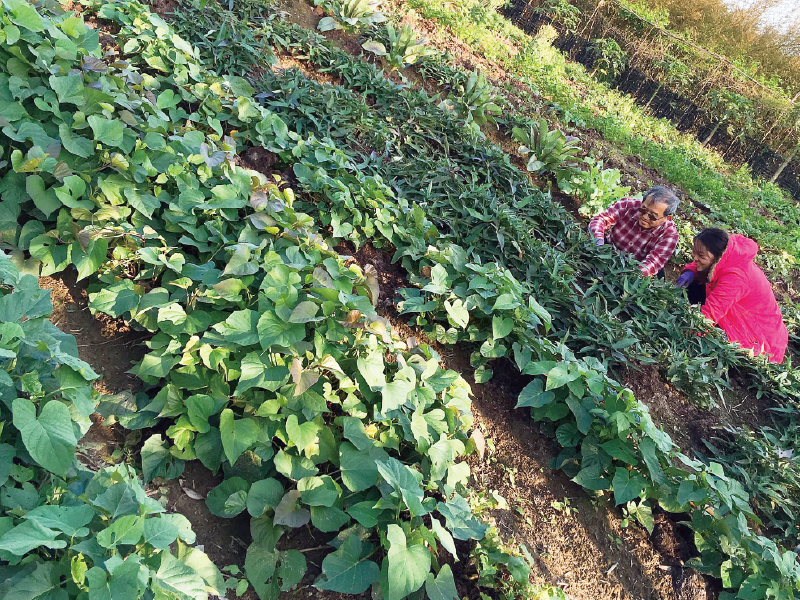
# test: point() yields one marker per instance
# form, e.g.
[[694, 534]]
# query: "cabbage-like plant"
[[352, 15], [549, 150], [404, 47]]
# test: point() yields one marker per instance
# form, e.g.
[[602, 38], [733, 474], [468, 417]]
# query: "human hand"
[[599, 242], [685, 279]]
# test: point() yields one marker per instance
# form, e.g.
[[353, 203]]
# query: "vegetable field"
[[338, 331]]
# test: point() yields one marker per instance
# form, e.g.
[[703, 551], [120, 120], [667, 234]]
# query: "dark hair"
[[715, 240]]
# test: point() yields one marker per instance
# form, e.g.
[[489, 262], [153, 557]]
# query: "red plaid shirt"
[[619, 224]]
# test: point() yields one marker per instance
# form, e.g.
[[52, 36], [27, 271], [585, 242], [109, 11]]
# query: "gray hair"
[[661, 194]]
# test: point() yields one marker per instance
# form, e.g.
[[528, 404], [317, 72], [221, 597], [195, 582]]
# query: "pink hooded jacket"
[[740, 299]]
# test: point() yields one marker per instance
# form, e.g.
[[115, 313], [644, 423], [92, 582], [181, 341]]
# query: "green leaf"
[[621, 450], [36, 581], [199, 408], [580, 409], [292, 568], [318, 491], [408, 565], [7, 454], [124, 583], [460, 521], [46, 200], [208, 448], [406, 481], [69, 89], [355, 432], [90, 260], [328, 518], [533, 395], [395, 394], [260, 563], [159, 532], [116, 299], [118, 499], [590, 479], [49, 438], [648, 450], [256, 373], [240, 328], [505, 302], [365, 513], [29, 535], [501, 327], [70, 520], [359, 469], [301, 435], [176, 579], [106, 131], [371, 369], [289, 513], [327, 24], [126, 530], [443, 586], [237, 434], [75, 144], [444, 537], [294, 467], [272, 330], [229, 498], [157, 460], [457, 312], [374, 47], [24, 15], [345, 571], [627, 485], [305, 312], [560, 375], [643, 514], [202, 565], [264, 494]]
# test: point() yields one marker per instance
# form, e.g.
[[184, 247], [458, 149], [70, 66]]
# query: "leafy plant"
[[549, 150], [65, 531], [562, 11], [609, 59], [596, 186], [766, 461], [352, 15], [404, 48], [227, 43], [474, 100]]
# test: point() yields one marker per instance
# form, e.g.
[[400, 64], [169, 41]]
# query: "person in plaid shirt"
[[642, 228]]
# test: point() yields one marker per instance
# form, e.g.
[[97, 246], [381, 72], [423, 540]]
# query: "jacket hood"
[[740, 251]]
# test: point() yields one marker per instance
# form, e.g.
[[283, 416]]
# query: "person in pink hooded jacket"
[[734, 292]]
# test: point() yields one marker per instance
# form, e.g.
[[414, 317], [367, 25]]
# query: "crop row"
[[65, 529]]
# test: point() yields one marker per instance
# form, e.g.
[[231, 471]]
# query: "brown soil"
[[686, 423], [109, 345], [163, 7]]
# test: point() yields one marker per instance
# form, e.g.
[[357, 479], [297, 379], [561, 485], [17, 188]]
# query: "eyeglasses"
[[649, 216]]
